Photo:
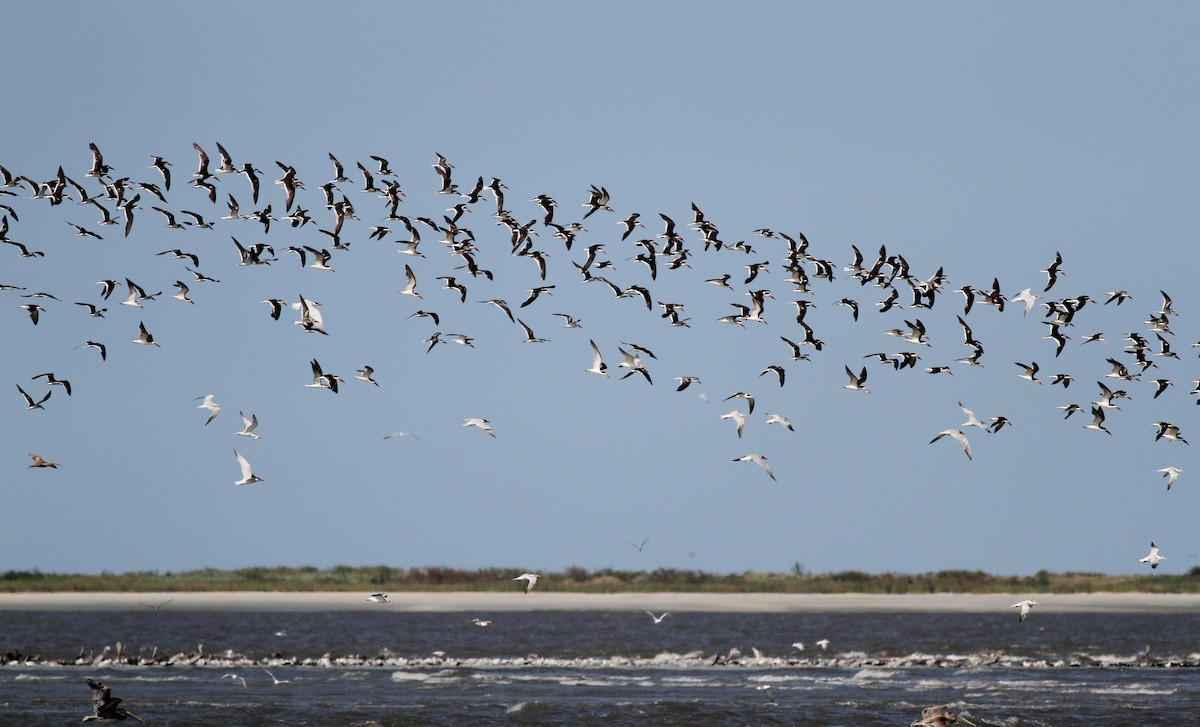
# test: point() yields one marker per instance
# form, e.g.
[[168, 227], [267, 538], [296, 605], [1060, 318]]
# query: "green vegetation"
[[580, 580]]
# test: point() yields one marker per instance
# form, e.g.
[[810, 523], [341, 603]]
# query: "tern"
[[972, 420], [481, 623], [378, 598], [598, 365], [248, 477], [106, 707], [1172, 474], [1024, 606], [759, 460], [778, 419], [275, 681], [957, 436], [738, 418], [657, 619], [236, 678], [531, 577], [486, 426], [211, 405], [248, 426], [1153, 558]]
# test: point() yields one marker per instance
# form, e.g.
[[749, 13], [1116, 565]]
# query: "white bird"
[[1154, 558], [598, 365], [799, 645], [276, 681], [958, 437], [1024, 606], [483, 424], [1026, 297], [211, 405], [1172, 474], [248, 426], [236, 678], [248, 477], [759, 460], [481, 623], [823, 643], [531, 577], [739, 418], [657, 619], [378, 598], [972, 420], [778, 419]]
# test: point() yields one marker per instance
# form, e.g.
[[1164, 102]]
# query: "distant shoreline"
[[442, 601]]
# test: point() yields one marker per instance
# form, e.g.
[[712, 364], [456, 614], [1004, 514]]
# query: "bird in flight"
[[248, 477], [106, 707], [532, 579], [759, 460], [1025, 606], [1153, 558]]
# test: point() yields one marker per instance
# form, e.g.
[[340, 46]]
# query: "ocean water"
[[612, 668]]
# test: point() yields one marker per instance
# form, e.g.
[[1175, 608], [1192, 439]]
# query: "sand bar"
[[536, 601]]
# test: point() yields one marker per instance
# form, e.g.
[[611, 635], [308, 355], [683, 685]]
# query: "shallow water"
[[619, 668]]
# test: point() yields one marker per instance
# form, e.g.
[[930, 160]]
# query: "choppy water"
[[616, 668]]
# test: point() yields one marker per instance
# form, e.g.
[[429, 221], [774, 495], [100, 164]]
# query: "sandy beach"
[[535, 601]]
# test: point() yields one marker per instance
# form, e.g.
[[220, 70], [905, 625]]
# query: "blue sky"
[[981, 139]]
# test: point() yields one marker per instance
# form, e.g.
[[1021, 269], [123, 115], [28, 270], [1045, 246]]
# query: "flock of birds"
[[645, 257]]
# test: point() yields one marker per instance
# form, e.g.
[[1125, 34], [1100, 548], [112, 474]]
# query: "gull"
[[1153, 558], [211, 405], [106, 707], [52, 381], [236, 678], [957, 436], [777, 419], [248, 477], [30, 404], [39, 462], [640, 545], [598, 365], [739, 418], [1172, 474], [481, 623], [531, 577], [486, 426], [248, 426], [378, 598], [275, 681], [759, 460], [823, 643], [657, 619]]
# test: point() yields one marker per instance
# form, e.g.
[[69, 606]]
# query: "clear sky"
[[976, 138]]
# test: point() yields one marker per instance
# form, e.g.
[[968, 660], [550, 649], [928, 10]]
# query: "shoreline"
[[440, 601]]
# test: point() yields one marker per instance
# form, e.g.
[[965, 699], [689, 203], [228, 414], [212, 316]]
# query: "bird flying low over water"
[[532, 579], [1025, 606], [378, 598]]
